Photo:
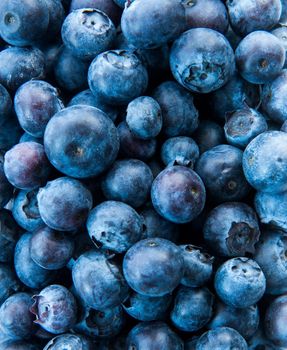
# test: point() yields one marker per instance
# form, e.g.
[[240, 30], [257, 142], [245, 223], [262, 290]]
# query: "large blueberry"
[[178, 194], [231, 229], [265, 162], [72, 341], [31, 274], [115, 226], [81, 141], [153, 267], [26, 165], [35, 104], [260, 57], [25, 210], [128, 181], [146, 24], [117, 76], [202, 60], [55, 309], [64, 203], [6, 189], [153, 336], [9, 284], [99, 281], [192, 308], [240, 282], [208, 135], [88, 32]]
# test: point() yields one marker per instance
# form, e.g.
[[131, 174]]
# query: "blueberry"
[[144, 117], [180, 150], [18, 65], [64, 204], [244, 321], [197, 266], [178, 194], [115, 226], [202, 60], [99, 281], [23, 22], [6, 189], [129, 181], [18, 345], [72, 341], [281, 34], [16, 321], [146, 24], [133, 147], [35, 103], [208, 135], [81, 141], [264, 163], [117, 76], [56, 18], [51, 249], [70, 72], [247, 16], [55, 309], [5, 105], [9, 235], [139, 263], [153, 336], [157, 226], [221, 171], [88, 32], [29, 273], [259, 340], [231, 229], [9, 283], [271, 255], [273, 98], [222, 338], [192, 308], [107, 6], [240, 282], [145, 308], [260, 57], [87, 98], [275, 320], [26, 165], [25, 210], [244, 125], [207, 14]]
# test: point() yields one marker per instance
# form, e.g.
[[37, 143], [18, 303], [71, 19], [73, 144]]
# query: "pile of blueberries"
[[143, 175]]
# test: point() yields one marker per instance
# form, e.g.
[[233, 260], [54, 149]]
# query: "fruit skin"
[[14, 309], [260, 57], [260, 339], [220, 168], [248, 15], [81, 141], [64, 203], [9, 284], [5, 105], [26, 165], [35, 104], [192, 309], [231, 229], [129, 181], [55, 309], [146, 24], [23, 22], [101, 276], [270, 256], [73, 341], [139, 263], [88, 32], [153, 336], [178, 194], [223, 338], [115, 226], [28, 272], [202, 60], [275, 320], [244, 321], [197, 266], [280, 33], [18, 345], [208, 135], [6, 189], [264, 163], [240, 282], [117, 76]]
